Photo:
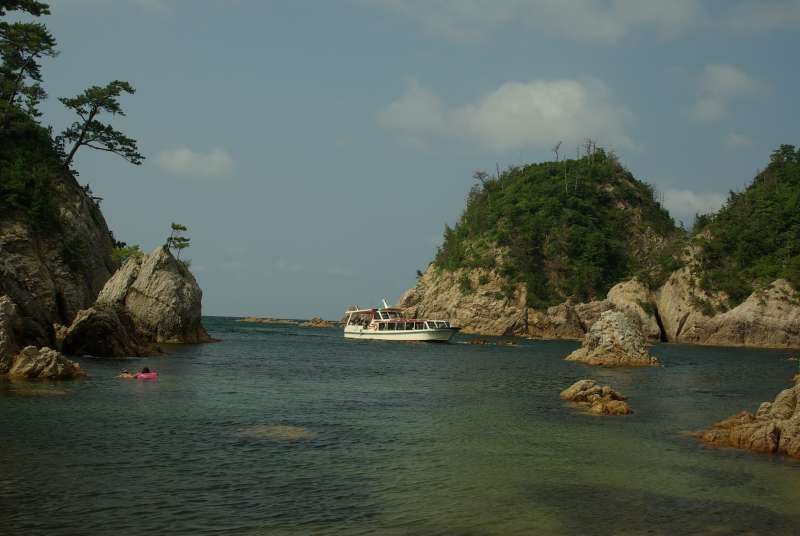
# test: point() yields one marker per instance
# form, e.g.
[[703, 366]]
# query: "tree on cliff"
[[176, 240], [92, 133], [22, 45]]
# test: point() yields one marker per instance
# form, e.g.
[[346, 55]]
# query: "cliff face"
[[51, 275], [679, 311], [483, 308]]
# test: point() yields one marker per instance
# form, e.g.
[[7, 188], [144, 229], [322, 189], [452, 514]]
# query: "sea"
[[279, 429]]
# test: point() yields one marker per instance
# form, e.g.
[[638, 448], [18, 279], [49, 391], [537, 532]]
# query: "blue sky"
[[316, 149]]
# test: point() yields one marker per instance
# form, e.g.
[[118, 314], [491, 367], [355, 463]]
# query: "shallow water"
[[288, 430]]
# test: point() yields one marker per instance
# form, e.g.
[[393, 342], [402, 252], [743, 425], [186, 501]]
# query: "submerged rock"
[[616, 341], [775, 428], [599, 400], [152, 299], [44, 363], [277, 432]]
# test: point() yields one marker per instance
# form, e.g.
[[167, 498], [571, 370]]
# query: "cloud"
[[764, 16], [685, 204], [516, 114], [718, 85], [738, 141], [585, 20], [184, 161], [593, 20]]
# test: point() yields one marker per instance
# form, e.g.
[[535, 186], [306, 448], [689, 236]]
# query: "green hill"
[[571, 228], [755, 238]]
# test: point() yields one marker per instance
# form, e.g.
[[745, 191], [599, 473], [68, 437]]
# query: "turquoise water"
[[286, 430]]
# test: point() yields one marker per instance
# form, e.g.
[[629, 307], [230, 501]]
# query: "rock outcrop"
[[599, 400], [318, 322], [615, 340], [43, 364], [152, 299], [10, 324], [634, 299], [486, 306], [51, 274], [774, 429]]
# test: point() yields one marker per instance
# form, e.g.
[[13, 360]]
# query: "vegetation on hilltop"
[[755, 237], [570, 228]]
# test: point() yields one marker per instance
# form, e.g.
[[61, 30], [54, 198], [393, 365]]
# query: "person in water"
[[126, 375]]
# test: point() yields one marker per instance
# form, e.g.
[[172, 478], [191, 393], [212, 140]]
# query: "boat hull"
[[430, 335]]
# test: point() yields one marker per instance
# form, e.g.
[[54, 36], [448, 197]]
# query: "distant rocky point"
[[267, 320], [774, 429], [318, 322], [615, 340], [599, 400]]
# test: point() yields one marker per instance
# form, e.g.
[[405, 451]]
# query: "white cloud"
[[184, 161], [738, 141], [586, 20], [517, 114], [684, 204], [718, 85]]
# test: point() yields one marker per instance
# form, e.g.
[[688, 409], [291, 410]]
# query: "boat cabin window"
[[392, 327], [381, 326], [419, 325]]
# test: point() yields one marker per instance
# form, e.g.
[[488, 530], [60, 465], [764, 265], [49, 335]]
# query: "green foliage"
[[464, 284], [176, 241], [90, 132], [569, 228], [121, 254], [483, 279], [755, 238], [22, 46], [30, 6], [704, 306], [73, 251]]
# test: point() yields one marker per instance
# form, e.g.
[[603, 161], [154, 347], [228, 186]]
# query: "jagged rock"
[[43, 363], [105, 331], [485, 308], [557, 322], [152, 299], [775, 428], [267, 320], [318, 322], [633, 298], [599, 400], [161, 297], [51, 275], [614, 340]]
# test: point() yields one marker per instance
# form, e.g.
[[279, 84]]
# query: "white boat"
[[388, 324]]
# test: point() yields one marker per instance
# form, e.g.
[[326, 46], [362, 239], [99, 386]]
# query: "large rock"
[[152, 299], [43, 364], [160, 295], [614, 340], [486, 307], [106, 331], [775, 428], [599, 400], [52, 274], [633, 298]]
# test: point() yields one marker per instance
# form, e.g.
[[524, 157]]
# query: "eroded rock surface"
[[152, 299], [597, 399], [775, 428], [615, 340], [318, 322], [43, 363]]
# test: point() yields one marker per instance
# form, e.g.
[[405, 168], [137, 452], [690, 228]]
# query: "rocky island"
[[615, 340], [596, 399], [543, 250]]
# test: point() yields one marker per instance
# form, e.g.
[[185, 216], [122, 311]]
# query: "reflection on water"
[[281, 430]]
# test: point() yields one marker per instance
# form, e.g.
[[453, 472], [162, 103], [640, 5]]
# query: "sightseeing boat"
[[388, 324]]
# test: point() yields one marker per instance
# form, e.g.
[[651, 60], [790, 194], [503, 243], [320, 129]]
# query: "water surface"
[[288, 430]]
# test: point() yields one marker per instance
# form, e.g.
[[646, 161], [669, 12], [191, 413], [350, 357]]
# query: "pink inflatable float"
[[146, 376]]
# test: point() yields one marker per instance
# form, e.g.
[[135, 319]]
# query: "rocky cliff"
[[51, 274], [152, 299], [615, 340]]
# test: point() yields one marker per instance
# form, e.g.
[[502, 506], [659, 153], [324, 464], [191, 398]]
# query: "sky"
[[316, 149]]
